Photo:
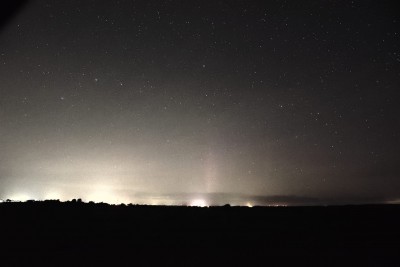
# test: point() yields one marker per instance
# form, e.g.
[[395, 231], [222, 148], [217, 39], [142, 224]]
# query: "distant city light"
[[20, 197], [154, 203], [248, 204], [198, 203], [52, 195]]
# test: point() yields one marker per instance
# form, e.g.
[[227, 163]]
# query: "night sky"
[[201, 102]]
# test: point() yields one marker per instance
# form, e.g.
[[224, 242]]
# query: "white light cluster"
[[198, 203]]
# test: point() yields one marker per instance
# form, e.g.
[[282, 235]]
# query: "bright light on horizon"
[[198, 203], [106, 194], [52, 195], [20, 197], [248, 204]]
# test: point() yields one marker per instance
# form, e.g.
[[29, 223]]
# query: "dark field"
[[81, 234]]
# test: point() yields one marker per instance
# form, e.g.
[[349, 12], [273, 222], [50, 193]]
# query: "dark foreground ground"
[[79, 234]]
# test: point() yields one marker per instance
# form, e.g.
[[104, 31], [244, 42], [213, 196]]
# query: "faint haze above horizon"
[[201, 102], [199, 199]]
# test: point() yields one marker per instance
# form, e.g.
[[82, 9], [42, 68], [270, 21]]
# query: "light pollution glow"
[[127, 109]]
